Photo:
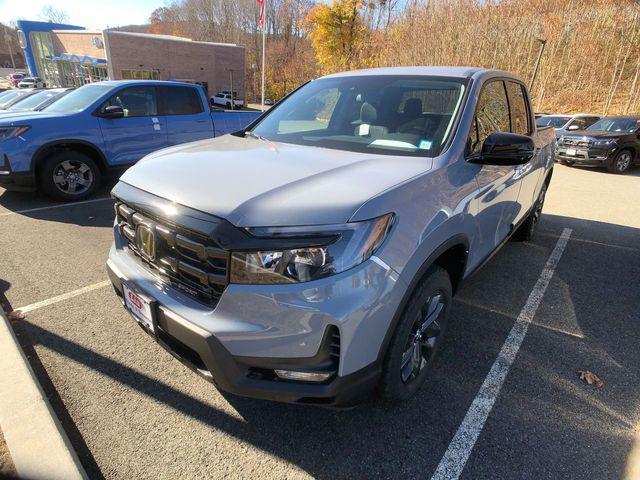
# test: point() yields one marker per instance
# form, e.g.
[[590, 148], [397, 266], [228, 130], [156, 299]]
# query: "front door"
[[499, 186], [141, 130]]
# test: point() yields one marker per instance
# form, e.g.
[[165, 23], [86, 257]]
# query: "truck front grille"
[[188, 261], [575, 142]]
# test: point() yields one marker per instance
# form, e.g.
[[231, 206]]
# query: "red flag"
[[261, 3]]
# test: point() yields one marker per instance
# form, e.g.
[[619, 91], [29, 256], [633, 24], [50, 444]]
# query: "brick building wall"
[[79, 42], [176, 59]]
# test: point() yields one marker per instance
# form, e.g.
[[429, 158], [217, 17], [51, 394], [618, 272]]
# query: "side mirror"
[[502, 148], [573, 127], [113, 111]]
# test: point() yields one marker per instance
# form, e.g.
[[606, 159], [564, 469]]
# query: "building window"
[[132, 74]]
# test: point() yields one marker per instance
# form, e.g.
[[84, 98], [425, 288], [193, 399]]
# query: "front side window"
[[135, 101], [181, 101], [518, 108], [383, 114], [492, 114]]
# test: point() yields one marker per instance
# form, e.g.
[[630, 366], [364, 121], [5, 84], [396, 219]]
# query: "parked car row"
[[29, 99], [612, 142], [66, 146]]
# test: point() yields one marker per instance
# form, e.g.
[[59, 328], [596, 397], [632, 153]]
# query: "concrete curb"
[[39, 447]]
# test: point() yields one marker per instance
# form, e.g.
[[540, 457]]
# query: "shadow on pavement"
[[40, 207]]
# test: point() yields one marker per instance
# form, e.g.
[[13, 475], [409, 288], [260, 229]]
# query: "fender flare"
[[38, 157], [459, 239]]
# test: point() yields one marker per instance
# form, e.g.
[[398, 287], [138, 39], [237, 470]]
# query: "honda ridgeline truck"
[[101, 128], [312, 256]]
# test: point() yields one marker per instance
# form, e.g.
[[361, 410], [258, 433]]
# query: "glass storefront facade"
[[61, 72]]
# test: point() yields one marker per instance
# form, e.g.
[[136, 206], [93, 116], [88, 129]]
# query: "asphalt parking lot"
[[133, 411]]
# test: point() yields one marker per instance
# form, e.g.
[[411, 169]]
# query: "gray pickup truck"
[[313, 256]]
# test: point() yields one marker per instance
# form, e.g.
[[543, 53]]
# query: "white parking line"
[[60, 205], [457, 454], [64, 296]]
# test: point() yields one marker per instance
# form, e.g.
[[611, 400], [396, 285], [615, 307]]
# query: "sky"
[[92, 14]]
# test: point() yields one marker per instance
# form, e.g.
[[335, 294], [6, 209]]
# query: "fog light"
[[303, 376]]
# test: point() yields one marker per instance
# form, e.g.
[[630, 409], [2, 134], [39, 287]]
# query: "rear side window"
[[492, 114], [518, 108], [135, 101], [181, 101]]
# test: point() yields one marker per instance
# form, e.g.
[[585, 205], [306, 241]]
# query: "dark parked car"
[[612, 142]]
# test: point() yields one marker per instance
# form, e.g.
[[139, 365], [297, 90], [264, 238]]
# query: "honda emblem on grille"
[[146, 241]]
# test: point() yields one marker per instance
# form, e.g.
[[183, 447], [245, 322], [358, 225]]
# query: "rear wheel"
[[69, 176], [417, 338], [621, 162], [526, 231]]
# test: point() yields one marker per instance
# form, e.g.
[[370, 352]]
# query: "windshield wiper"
[[249, 133]]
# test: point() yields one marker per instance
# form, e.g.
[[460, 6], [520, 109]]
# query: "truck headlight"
[[10, 132], [605, 143], [336, 248]]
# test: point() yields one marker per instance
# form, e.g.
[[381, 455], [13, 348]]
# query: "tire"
[[406, 369], [228, 105], [64, 174], [621, 162], [528, 228]]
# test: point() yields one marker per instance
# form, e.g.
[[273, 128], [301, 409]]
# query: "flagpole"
[[264, 28]]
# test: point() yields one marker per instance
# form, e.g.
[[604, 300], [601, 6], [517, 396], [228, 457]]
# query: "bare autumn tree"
[[290, 59], [53, 14]]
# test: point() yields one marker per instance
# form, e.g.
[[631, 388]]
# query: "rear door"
[[140, 131], [528, 174], [187, 118], [499, 186]]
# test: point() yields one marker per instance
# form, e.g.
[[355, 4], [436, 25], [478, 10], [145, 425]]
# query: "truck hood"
[[595, 134], [253, 182], [9, 118]]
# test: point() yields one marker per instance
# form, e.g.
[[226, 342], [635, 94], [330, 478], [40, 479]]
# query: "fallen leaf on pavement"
[[591, 378], [15, 315]]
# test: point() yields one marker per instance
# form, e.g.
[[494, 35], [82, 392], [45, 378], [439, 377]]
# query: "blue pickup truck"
[[103, 128]]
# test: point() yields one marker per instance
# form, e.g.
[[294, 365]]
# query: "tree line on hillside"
[[591, 58]]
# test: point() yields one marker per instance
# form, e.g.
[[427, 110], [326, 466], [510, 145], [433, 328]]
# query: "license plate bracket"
[[141, 307]]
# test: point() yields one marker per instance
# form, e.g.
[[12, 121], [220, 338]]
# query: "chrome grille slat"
[[183, 259]]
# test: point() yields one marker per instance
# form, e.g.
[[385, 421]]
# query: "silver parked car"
[[567, 123], [313, 255]]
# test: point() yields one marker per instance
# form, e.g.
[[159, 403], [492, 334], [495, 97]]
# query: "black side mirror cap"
[[113, 111], [504, 148]]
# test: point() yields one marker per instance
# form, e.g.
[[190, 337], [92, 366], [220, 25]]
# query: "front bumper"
[[585, 156], [251, 331]]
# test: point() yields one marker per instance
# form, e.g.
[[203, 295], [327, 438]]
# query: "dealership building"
[[70, 56]]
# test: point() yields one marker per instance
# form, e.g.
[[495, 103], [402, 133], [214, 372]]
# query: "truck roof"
[[455, 72], [117, 83]]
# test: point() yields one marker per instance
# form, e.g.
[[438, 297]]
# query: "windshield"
[[79, 99], [388, 114], [624, 124], [34, 100], [11, 96], [555, 122]]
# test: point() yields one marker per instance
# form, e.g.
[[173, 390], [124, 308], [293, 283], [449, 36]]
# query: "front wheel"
[[417, 337], [621, 162], [69, 176]]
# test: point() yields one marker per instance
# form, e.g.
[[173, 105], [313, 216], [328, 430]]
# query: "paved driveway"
[[132, 411]]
